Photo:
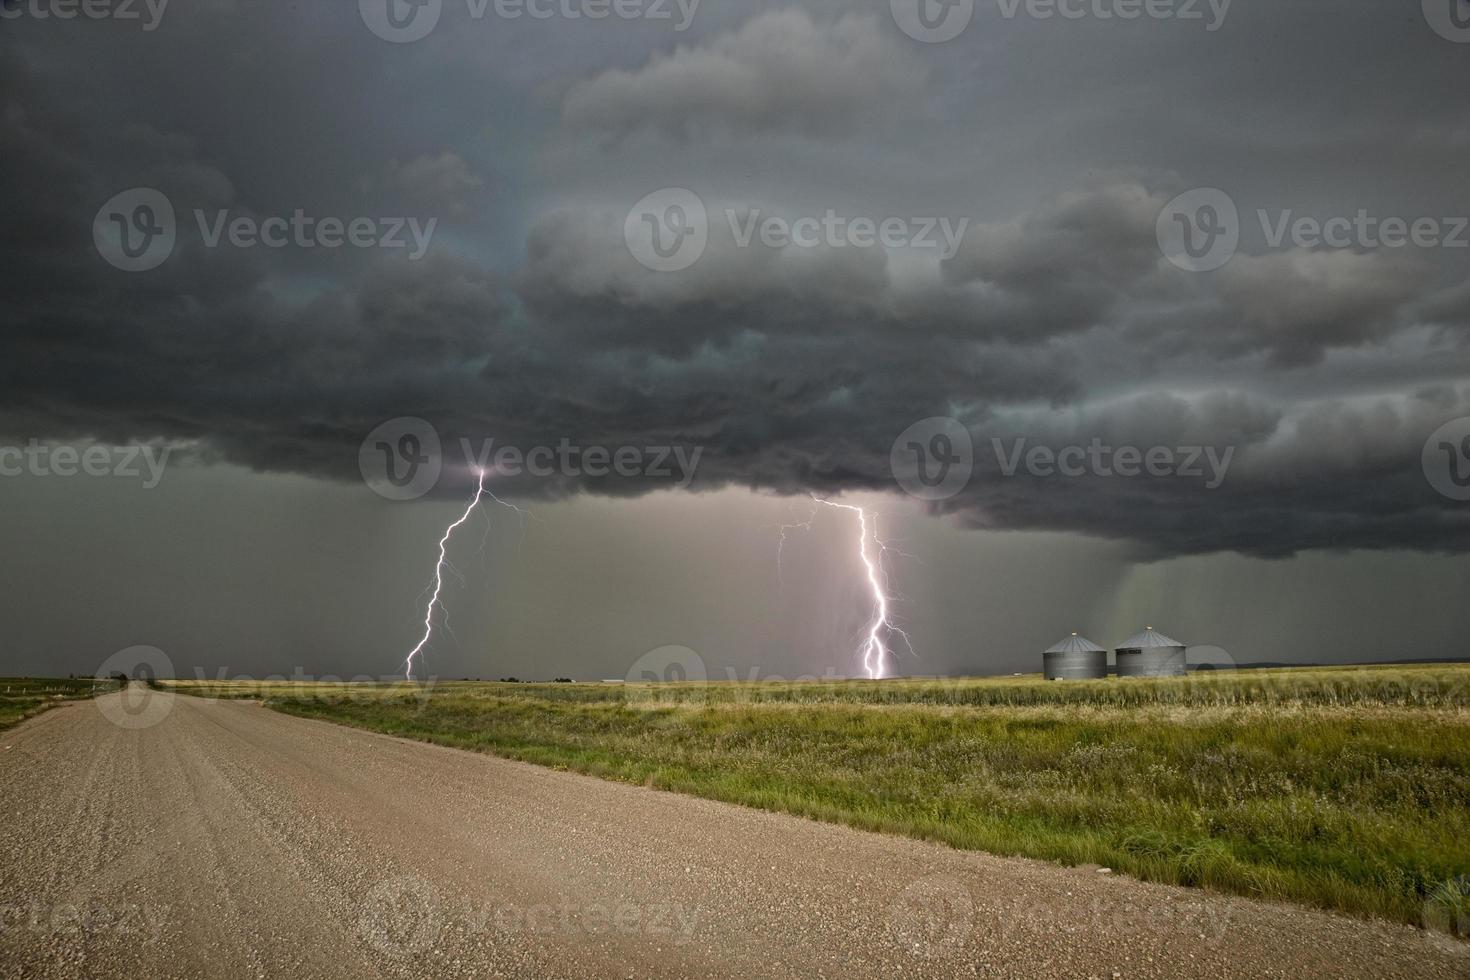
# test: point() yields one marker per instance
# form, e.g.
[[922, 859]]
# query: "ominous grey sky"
[[1058, 144]]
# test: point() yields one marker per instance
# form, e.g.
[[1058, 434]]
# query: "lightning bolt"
[[437, 588], [805, 525], [881, 629]]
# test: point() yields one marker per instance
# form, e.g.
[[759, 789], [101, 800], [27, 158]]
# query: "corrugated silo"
[[1150, 654], [1075, 658]]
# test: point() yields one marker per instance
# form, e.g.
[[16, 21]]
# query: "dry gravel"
[[229, 841]]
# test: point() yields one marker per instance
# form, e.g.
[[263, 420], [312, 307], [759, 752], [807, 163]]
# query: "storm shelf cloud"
[[1057, 319]]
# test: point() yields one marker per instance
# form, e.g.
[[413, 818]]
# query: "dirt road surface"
[[224, 840]]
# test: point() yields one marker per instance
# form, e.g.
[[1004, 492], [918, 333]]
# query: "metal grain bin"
[[1074, 659], [1150, 654]]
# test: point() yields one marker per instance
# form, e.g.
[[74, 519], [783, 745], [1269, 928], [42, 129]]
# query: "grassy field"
[[1347, 788], [21, 697]]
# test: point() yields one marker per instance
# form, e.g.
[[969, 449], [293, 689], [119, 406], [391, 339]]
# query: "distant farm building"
[[1150, 654], [1075, 658]]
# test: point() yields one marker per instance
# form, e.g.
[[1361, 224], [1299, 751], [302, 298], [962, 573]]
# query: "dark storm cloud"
[[778, 71], [580, 277], [1338, 476], [441, 184], [1065, 267], [1058, 319], [1450, 307], [1299, 303]]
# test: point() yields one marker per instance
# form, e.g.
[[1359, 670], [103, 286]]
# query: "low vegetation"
[[1347, 788], [22, 697]]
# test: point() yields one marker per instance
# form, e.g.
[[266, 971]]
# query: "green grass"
[[22, 697], [1346, 788]]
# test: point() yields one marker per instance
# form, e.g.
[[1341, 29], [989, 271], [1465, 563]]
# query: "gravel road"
[[224, 840]]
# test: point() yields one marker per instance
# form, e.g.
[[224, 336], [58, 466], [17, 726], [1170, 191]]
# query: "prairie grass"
[[22, 697], [1345, 788]]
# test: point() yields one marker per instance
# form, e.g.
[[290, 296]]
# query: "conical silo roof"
[[1076, 644], [1148, 638]]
